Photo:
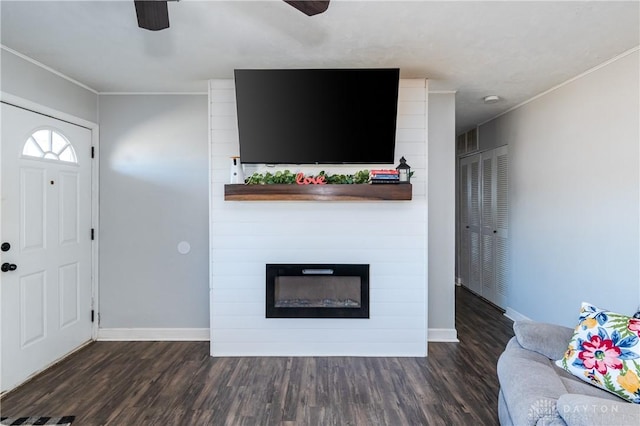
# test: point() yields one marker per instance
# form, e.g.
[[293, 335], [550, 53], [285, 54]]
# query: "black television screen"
[[317, 116]]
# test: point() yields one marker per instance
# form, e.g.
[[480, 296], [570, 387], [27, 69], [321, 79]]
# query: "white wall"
[[441, 192], [26, 80], [153, 195], [574, 194], [390, 236]]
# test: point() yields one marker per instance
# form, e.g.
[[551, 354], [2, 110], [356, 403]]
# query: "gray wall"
[[574, 195], [28, 81], [487, 136], [153, 195], [441, 204]]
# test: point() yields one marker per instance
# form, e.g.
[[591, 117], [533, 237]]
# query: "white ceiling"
[[513, 49]]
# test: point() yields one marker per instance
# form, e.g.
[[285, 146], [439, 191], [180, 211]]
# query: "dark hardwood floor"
[[177, 383]]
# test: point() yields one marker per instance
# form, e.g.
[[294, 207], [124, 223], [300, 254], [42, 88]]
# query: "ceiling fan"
[[153, 15]]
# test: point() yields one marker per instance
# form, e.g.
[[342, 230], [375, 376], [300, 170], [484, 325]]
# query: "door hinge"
[[93, 315], [93, 234], [93, 152]]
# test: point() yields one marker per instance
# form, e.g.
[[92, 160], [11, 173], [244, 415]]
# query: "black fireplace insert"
[[317, 291]]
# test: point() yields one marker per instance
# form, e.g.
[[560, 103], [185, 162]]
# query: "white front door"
[[45, 287]]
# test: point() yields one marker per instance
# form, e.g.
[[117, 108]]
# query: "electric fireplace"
[[317, 291]]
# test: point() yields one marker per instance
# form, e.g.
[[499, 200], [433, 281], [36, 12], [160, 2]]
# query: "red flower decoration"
[[600, 354], [634, 325]]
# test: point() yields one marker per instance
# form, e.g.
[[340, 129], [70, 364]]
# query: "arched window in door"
[[48, 144]]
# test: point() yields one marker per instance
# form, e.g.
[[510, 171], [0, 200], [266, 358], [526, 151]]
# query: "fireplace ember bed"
[[317, 291]]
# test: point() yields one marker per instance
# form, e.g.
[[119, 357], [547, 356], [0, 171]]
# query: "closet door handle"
[[8, 267]]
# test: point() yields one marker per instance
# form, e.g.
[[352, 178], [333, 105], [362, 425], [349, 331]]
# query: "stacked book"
[[384, 176]]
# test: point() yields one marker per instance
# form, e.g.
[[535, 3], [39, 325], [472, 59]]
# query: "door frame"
[[26, 104]]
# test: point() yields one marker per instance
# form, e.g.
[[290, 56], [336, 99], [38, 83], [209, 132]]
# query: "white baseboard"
[[153, 334], [202, 334], [442, 335], [514, 315]]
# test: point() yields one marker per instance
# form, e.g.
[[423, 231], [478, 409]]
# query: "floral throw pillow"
[[605, 351]]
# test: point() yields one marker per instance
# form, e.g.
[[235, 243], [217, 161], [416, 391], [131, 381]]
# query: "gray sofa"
[[534, 391]]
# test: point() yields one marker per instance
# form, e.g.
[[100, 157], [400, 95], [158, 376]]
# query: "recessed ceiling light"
[[491, 99]]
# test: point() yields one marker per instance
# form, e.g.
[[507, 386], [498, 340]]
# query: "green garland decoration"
[[287, 177]]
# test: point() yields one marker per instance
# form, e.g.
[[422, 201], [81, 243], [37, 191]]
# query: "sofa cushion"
[[575, 385], [605, 351], [530, 385], [503, 411], [549, 340], [583, 410]]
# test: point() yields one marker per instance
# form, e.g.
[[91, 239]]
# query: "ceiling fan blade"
[[152, 14], [309, 7]]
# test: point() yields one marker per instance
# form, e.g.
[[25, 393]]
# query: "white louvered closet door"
[[484, 222], [495, 223], [463, 251], [488, 202], [502, 225], [471, 229], [475, 222]]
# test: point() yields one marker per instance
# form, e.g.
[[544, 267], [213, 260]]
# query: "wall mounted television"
[[317, 116]]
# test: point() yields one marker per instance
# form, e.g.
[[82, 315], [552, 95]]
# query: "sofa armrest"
[[550, 340], [582, 410]]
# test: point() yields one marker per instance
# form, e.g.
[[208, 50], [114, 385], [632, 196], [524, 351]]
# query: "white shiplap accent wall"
[[391, 236]]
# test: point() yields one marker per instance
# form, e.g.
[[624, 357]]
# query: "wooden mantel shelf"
[[293, 192]]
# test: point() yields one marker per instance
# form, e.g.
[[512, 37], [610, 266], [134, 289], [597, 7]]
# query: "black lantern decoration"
[[404, 171]]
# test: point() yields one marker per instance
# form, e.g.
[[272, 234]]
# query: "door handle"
[[8, 267], [5, 247]]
